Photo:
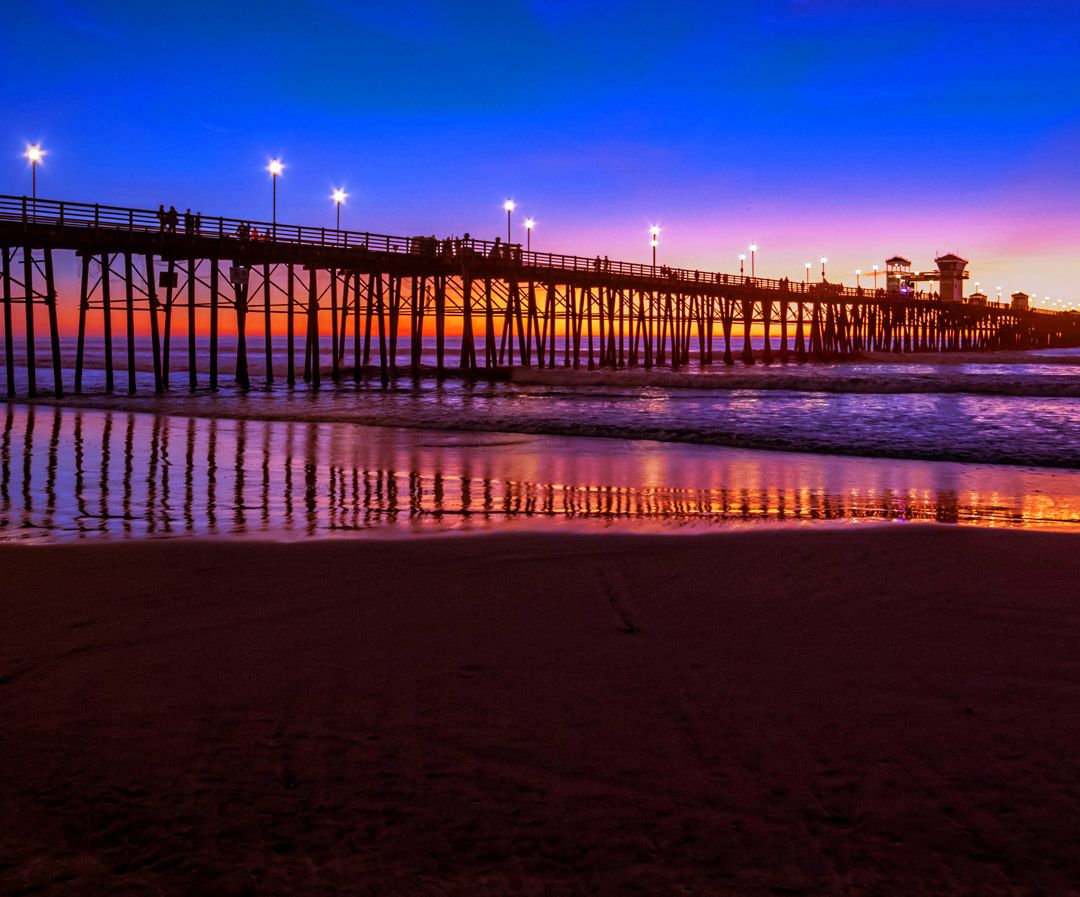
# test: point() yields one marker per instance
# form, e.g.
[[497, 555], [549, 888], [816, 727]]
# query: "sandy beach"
[[887, 710]]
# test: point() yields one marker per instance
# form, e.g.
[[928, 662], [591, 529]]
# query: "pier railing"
[[58, 213]]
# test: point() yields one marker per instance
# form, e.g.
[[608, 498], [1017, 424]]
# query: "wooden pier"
[[346, 297]]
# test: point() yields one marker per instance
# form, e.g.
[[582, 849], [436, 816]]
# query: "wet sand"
[[80, 473], [883, 710]]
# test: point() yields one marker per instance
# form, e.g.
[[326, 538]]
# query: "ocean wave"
[[978, 430], [991, 383]]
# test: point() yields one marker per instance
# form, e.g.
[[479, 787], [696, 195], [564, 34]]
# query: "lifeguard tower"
[[951, 276], [1020, 302]]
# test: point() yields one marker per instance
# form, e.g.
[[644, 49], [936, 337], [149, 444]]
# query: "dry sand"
[[880, 711]]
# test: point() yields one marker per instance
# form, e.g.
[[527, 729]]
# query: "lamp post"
[[339, 196], [529, 225], [823, 262], [742, 264], [275, 168], [654, 234], [807, 267], [999, 294], [33, 153], [858, 275], [509, 205], [753, 256], [875, 277]]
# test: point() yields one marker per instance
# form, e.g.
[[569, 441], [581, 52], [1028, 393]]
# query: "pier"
[[359, 300]]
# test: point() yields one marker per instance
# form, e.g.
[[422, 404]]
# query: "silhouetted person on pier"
[[596, 264], [161, 217], [496, 249], [198, 223], [173, 219], [189, 222]]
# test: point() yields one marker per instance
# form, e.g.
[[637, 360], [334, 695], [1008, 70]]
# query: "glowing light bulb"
[[275, 167]]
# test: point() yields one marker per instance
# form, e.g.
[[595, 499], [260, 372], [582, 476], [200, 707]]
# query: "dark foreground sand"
[[860, 712]]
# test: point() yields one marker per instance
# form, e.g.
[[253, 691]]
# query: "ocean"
[[983, 442]]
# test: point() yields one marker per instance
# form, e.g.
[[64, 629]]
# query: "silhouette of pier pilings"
[[361, 299]]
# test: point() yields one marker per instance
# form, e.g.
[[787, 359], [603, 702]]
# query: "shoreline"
[[73, 473], [871, 711]]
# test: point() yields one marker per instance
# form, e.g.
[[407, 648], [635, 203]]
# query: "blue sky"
[[811, 126]]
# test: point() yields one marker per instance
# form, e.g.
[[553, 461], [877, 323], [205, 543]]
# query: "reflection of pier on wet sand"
[[79, 472]]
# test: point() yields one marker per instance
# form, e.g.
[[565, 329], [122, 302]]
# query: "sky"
[[851, 130]]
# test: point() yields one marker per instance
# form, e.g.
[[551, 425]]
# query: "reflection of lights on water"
[[340, 482]]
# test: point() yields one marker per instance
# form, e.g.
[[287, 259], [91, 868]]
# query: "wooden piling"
[[440, 323], [380, 311], [290, 332], [28, 299], [748, 318], [783, 331], [155, 337], [214, 323], [268, 342], [313, 325], [241, 286], [166, 343], [193, 369], [468, 340], [356, 327], [335, 362], [54, 328], [129, 317], [9, 337], [84, 305]]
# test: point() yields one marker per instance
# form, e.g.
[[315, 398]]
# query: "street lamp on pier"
[[509, 205], [753, 256], [823, 263], [807, 266], [742, 264], [875, 277], [275, 168], [654, 234], [34, 154], [339, 196], [530, 223], [858, 275]]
